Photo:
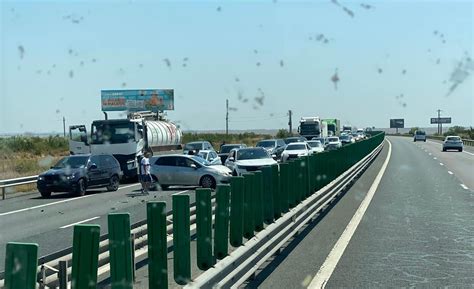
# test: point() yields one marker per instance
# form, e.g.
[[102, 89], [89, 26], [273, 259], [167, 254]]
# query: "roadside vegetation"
[[216, 139], [463, 132]]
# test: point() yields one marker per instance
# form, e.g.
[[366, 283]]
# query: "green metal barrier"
[[85, 256], [267, 194], [276, 192], [181, 239], [21, 263], [157, 245], [258, 195], [236, 211], [293, 186], [205, 259], [120, 250], [221, 229], [284, 187], [249, 206]]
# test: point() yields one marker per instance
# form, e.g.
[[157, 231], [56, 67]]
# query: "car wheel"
[[113, 184], [81, 187], [234, 173], [425, 140], [45, 193], [444, 149], [208, 182], [414, 140], [460, 150]]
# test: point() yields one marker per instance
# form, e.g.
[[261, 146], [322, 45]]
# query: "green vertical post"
[[120, 250], [258, 194], [157, 245], [307, 174], [236, 211], [181, 239], [221, 229], [249, 214], [85, 256], [21, 263], [300, 180], [267, 194], [276, 192], [292, 183], [204, 229], [285, 201]]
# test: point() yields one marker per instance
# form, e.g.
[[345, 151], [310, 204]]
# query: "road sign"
[[397, 123], [137, 100], [435, 120]]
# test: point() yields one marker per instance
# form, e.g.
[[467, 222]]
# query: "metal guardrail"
[[15, 182]]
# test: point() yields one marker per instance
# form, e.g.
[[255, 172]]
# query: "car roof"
[[296, 143], [234, 144], [198, 141], [205, 151], [269, 139], [85, 155]]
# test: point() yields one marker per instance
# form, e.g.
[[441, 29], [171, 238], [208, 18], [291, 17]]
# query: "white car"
[[210, 156], [333, 143], [316, 146], [295, 150], [245, 160]]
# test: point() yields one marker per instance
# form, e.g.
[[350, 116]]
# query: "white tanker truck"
[[126, 139]]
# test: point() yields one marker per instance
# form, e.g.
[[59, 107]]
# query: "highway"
[[417, 231]]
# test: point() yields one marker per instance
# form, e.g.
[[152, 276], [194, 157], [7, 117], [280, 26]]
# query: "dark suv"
[[76, 173]]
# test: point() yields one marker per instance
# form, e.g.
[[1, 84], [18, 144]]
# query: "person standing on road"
[[145, 175]]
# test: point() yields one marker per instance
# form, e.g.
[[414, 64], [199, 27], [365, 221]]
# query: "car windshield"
[[315, 144], [72, 162], [226, 148], [252, 153], [333, 139], [454, 138], [193, 146], [420, 133], [203, 155], [292, 139], [344, 137], [266, 144], [201, 161], [295, 147]]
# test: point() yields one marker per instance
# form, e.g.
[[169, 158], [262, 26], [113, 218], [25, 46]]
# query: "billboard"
[[397, 123], [435, 120], [137, 100]]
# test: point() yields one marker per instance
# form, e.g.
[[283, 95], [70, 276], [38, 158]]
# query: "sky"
[[361, 62]]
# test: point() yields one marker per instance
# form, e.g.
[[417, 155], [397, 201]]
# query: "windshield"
[[315, 144], [250, 154], [309, 129], [72, 162], [226, 148], [345, 137], [203, 155], [266, 144], [333, 139], [295, 147], [292, 139], [201, 161], [112, 133], [454, 138], [193, 146], [420, 133]]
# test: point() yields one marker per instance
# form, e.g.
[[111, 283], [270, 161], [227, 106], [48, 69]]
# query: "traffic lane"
[[417, 232], [300, 259], [467, 149], [461, 164], [54, 230]]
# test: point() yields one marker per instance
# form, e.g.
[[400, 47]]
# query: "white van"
[[419, 136]]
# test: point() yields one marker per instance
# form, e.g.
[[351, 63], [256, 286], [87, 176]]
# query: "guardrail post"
[[267, 194], [21, 263], [221, 229], [120, 250], [62, 274], [3, 193], [181, 239], [236, 211], [249, 206], [132, 244], [258, 197], [276, 192], [284, 187], [157, 245], [204, 228], [85, 256]]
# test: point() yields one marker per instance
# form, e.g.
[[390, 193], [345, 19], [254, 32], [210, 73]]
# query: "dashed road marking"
[[464, 187], [441, 164], [468, 153], [450, 172], [435, 158]]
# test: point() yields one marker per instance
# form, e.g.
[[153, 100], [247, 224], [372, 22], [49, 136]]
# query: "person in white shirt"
[[145, 175]]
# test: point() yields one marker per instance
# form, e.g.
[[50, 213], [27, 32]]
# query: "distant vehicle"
[[75, 174], [333, 125], [312, 127], [187, 170], [362, 135], [316, 146], [197, 146], [273, 146], [323, 140], [333, 143], [225, 149], [346, 139], [453, 143], [419, 136], [347, 128], [295, 150], [248, 160], [360, 130], [294, 139], [356, 136], [210, 156]]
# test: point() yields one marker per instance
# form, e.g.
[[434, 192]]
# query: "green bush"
[[33, 145], [248, 138]]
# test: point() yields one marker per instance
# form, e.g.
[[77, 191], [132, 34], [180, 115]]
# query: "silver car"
[[210, 156], [186, 170], [197, 146], [452, 142]]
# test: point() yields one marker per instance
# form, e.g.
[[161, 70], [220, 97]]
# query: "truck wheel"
[[208, 182], [45, 193], [81, 187], [113, 183]]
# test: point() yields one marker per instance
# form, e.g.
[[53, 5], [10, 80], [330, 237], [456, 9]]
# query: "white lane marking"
[[435, 158], [77, 223], [464, 187], [54, 203], [441, 164], [129, 186], [181, 192], [429, 154], [468, 153], [450, 172], [326, 270]]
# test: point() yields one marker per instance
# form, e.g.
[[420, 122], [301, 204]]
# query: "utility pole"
[[64, 126], [290, 129], [227, 117], [440, 126]]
